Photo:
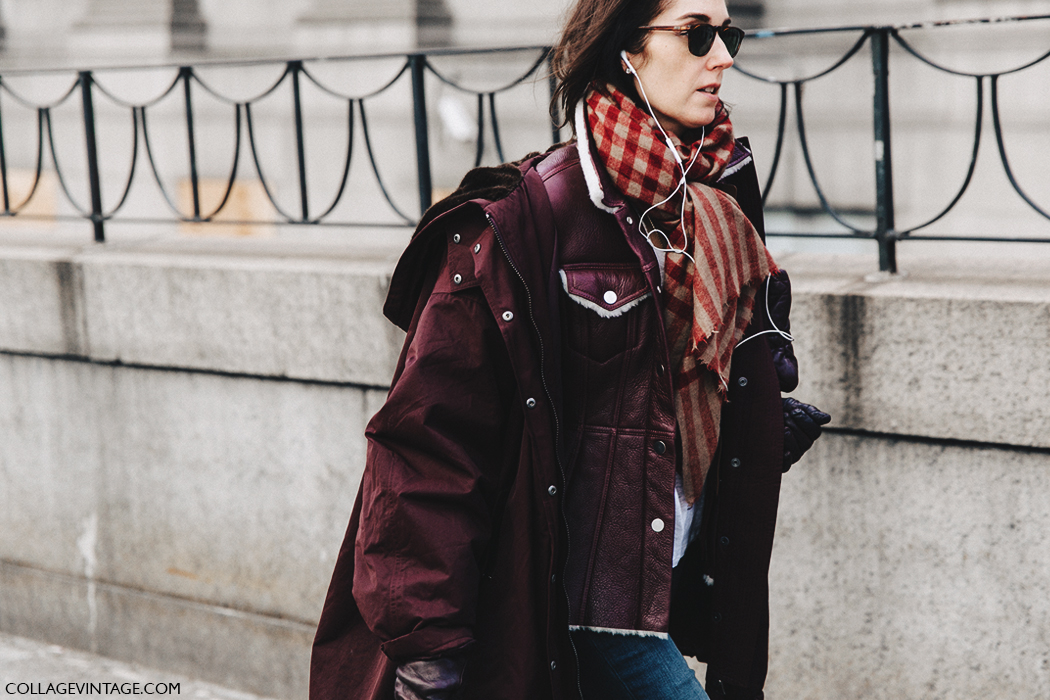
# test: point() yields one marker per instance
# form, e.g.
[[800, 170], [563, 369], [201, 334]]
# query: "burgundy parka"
[[519, 478]]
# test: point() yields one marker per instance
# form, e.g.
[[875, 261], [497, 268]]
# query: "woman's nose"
[[718, 58]]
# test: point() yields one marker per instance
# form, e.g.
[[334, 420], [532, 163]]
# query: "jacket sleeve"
[[434, 457]]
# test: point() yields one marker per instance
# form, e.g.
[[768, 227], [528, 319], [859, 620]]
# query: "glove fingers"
[[801, 428], [793, 406], [805, 425], [818, 416]]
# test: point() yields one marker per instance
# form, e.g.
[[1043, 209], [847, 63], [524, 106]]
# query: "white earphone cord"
[[783, 334], [649, 230]]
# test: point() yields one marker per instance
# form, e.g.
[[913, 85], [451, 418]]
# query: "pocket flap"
[[608, 290]]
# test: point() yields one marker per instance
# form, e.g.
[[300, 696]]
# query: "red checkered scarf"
[[700, 303]]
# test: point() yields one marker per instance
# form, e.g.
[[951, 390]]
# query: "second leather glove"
[[801, 428]]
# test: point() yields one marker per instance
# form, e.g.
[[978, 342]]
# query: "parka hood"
[[478, 188]]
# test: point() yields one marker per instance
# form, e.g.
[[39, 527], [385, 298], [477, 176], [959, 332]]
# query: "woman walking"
[[574, 479]]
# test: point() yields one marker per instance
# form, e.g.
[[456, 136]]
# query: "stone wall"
[[912, 556], [183, 417], [183, 438]]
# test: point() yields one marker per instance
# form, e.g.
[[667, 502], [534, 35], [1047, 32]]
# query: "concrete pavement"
[[28, 667]]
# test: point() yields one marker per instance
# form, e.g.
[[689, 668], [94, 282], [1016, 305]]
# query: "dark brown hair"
[[589, 48]]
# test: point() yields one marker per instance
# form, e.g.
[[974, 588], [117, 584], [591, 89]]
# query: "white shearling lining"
[[596, 308], [619, 632], [737, 167], [590, 173]]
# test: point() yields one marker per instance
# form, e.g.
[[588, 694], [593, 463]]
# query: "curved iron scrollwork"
[[489, 97], [886, 232], [186, 81], [41, 117]]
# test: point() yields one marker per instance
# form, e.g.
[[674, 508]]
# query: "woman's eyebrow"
[[703, 19]]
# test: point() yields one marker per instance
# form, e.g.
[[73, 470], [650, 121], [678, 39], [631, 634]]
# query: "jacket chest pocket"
[[605, 315]]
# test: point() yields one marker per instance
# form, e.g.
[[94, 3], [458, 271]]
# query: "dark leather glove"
[[801, 428], [431, 679]]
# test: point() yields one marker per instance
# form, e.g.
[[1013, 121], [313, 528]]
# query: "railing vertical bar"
[[479, 152], [552, 83], [86, 82], [186, 73], [885, 233], [495, 128], [3, 166], [417, 63], [296, 68]]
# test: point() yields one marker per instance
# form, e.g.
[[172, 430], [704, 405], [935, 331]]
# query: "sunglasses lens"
[[732, 36], [701, 39]]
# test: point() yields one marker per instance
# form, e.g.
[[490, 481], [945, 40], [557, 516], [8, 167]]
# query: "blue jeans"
[[629, 667]]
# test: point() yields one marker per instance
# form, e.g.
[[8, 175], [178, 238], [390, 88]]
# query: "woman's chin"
[[699, 118], [695, 126], [687, 123]]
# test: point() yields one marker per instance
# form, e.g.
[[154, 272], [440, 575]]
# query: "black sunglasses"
[[702, 37]]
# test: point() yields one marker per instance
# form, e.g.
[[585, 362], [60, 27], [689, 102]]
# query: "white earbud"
[[630, 68]]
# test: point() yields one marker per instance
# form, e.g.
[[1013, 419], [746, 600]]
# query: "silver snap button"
[[554, 665], [658, 525], [735, 462], [742, 381], [610, 297], [659, 289], [552, 490], [477, 247], [531, 403], [508, 316], [457, 278], [457, 238], [630, 220]]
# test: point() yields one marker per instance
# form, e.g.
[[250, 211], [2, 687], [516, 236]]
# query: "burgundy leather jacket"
[[520, 476]]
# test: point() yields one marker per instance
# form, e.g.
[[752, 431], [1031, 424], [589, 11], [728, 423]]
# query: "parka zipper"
[[557, 434]]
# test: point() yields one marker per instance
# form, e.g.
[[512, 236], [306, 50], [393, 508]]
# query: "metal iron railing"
[[886, 232], [296, 72], [416, 66]]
